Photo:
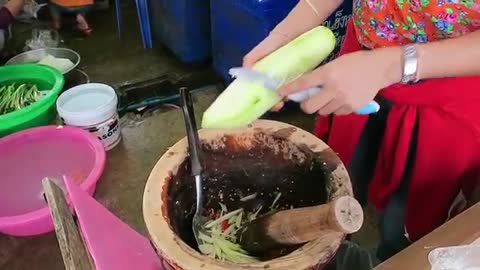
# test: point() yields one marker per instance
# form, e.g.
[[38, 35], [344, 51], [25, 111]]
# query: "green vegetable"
[[220, 240], [14, 98], [249, 197], [245, 101], [220, 244], [273, 206], [222, 218]]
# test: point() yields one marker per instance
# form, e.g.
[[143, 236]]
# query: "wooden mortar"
[[180, 255]]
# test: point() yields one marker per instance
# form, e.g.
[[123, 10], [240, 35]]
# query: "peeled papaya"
[[244, 101]]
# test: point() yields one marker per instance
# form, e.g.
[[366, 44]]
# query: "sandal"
[[81, 21], [85, 32]]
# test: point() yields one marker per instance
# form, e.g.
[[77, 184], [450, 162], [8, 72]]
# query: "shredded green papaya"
[[221, 241]]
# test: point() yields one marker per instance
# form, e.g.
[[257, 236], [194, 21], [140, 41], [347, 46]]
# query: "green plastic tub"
[[40, 113]]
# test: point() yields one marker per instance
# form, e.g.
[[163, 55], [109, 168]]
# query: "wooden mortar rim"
[[181, 256]]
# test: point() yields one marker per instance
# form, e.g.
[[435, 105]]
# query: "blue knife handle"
[[371, 107]]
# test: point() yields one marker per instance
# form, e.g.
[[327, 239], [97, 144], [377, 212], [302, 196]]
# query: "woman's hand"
[[303, 17], [349, 82], [271, 43]]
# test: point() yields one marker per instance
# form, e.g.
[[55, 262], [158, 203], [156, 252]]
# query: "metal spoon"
[[195, 153]]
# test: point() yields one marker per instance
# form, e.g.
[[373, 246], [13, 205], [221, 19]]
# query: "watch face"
[[410, 64]]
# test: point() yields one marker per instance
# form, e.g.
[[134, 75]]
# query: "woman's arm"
[[439, 59], [450, 58], [9, 11], [15, 7], [370, 71], [6, 18], [306, 15]]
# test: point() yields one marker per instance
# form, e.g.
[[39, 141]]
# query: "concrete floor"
[[108, 59]]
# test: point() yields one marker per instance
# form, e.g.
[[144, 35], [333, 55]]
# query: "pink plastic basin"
[[29, 156]]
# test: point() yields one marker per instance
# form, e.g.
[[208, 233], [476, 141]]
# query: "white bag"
[[465, 257], [30, 11]]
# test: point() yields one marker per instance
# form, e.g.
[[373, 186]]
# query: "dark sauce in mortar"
[[232, 172]]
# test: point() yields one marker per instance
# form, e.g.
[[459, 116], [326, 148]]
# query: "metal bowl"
[[74, 78], [35, 56]]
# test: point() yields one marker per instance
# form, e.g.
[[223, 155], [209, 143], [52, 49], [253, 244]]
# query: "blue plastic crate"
[[239, 25], [337, 22], [183, 26]]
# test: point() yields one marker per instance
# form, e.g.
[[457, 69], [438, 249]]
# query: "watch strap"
[[410, 64]]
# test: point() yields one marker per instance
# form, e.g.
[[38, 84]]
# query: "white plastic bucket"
[[93, 107]]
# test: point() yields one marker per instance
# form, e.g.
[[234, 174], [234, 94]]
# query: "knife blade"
[[300, 96]]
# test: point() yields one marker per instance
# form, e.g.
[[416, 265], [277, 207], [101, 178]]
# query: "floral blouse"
[[381, 23]]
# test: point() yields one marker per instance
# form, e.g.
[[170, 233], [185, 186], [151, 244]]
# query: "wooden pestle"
[[301, 225]]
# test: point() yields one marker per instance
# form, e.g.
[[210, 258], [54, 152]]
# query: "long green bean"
[[16, 96]]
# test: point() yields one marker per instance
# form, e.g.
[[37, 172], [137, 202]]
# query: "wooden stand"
[[74, 253], [461, 230]]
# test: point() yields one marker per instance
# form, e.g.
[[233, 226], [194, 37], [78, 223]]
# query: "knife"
[[272, 84]]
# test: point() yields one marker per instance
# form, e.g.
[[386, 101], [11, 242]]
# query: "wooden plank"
[[461, 230], [74, 253]]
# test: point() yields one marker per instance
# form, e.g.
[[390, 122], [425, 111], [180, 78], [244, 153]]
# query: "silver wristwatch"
[[410, 64]]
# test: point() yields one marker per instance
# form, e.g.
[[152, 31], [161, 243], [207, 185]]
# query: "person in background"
[[79, 8], [8, 12], [416, 161]]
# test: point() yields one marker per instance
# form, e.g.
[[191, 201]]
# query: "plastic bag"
[[30, 11], [43, 38], [466, 257]]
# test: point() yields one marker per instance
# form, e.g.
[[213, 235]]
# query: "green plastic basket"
[[40, 113]]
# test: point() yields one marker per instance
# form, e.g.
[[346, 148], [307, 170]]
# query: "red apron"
[[447, 159]]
